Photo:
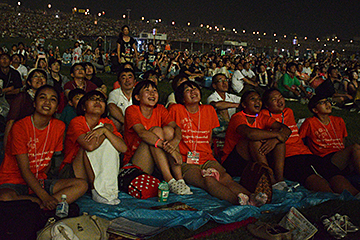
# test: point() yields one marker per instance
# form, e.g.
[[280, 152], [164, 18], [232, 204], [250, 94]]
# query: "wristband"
[[156, 143]]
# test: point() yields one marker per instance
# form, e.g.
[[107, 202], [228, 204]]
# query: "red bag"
[[134, 181]]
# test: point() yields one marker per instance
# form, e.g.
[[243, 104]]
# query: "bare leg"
[[78, 165], [211, 185], [175, 168], [160, 157], [143, 158], [73, 188], [253, 149], [89, 171], [7, 194], [317, 184], [227, 181], [279, 161], [350, 155], [340, 183]]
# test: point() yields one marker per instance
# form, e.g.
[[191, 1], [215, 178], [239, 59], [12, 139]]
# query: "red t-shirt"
[[159, 118], [77, 127], [294, 144], [324, 139], [196, 134], [232, 136], [89, 86], [22, 140]]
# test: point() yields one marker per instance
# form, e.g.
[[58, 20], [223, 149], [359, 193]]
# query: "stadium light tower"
[[19, 3]]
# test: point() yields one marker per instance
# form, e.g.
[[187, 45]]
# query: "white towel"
[[105, 163]]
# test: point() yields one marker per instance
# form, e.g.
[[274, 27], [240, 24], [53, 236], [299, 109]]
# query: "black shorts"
[[235, 164], [298, 167], [328, 170]]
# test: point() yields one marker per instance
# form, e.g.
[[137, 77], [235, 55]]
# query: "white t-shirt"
[[22, 70], [237, 82], [307, 70], [248, 74], [117, 97], [215, 97], [76, 56], [223, 70]]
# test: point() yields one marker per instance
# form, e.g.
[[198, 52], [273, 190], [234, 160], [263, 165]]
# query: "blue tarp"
[[209, 208]]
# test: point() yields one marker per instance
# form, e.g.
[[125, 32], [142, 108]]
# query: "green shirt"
[[286, 80]]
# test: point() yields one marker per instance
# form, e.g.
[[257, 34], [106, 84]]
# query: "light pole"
[[128, 15]]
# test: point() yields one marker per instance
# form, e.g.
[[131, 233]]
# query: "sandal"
[[269, 232]]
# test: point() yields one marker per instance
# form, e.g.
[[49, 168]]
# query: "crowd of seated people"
[[171, 135]]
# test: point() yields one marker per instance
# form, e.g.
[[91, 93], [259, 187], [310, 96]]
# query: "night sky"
[[302, 17]]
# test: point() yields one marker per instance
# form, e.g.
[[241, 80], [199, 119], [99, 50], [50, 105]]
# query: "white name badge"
[[193, 157]]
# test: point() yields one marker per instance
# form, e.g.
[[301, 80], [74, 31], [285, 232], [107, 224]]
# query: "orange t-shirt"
[[294, 144], [77, 127], [22, 140], [116, 85], [196, 134], [232, 136], [324, 139], [160, 117]]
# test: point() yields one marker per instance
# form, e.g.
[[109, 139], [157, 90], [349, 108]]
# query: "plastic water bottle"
[[62, 209], [163, 192]]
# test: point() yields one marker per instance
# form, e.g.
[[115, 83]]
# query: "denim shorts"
[[21, 189]]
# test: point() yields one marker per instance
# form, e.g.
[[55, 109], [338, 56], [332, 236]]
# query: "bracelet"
[[156, 143]]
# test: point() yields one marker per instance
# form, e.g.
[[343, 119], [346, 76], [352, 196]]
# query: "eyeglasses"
[[97, 98], [222, 80], [38, 77]]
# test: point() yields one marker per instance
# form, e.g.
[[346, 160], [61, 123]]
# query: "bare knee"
[[81, 185], [169, 133], [355, 148], [337, 179], [158, 131], [225, 178], [7, 194], [209, 182]]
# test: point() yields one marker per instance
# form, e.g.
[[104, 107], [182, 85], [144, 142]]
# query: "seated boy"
[[69, 111], [325, 134]]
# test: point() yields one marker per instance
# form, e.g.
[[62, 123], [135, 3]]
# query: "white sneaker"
[[344, 222], [97, 198], [333, 228], [179, 187], [281, 186]]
